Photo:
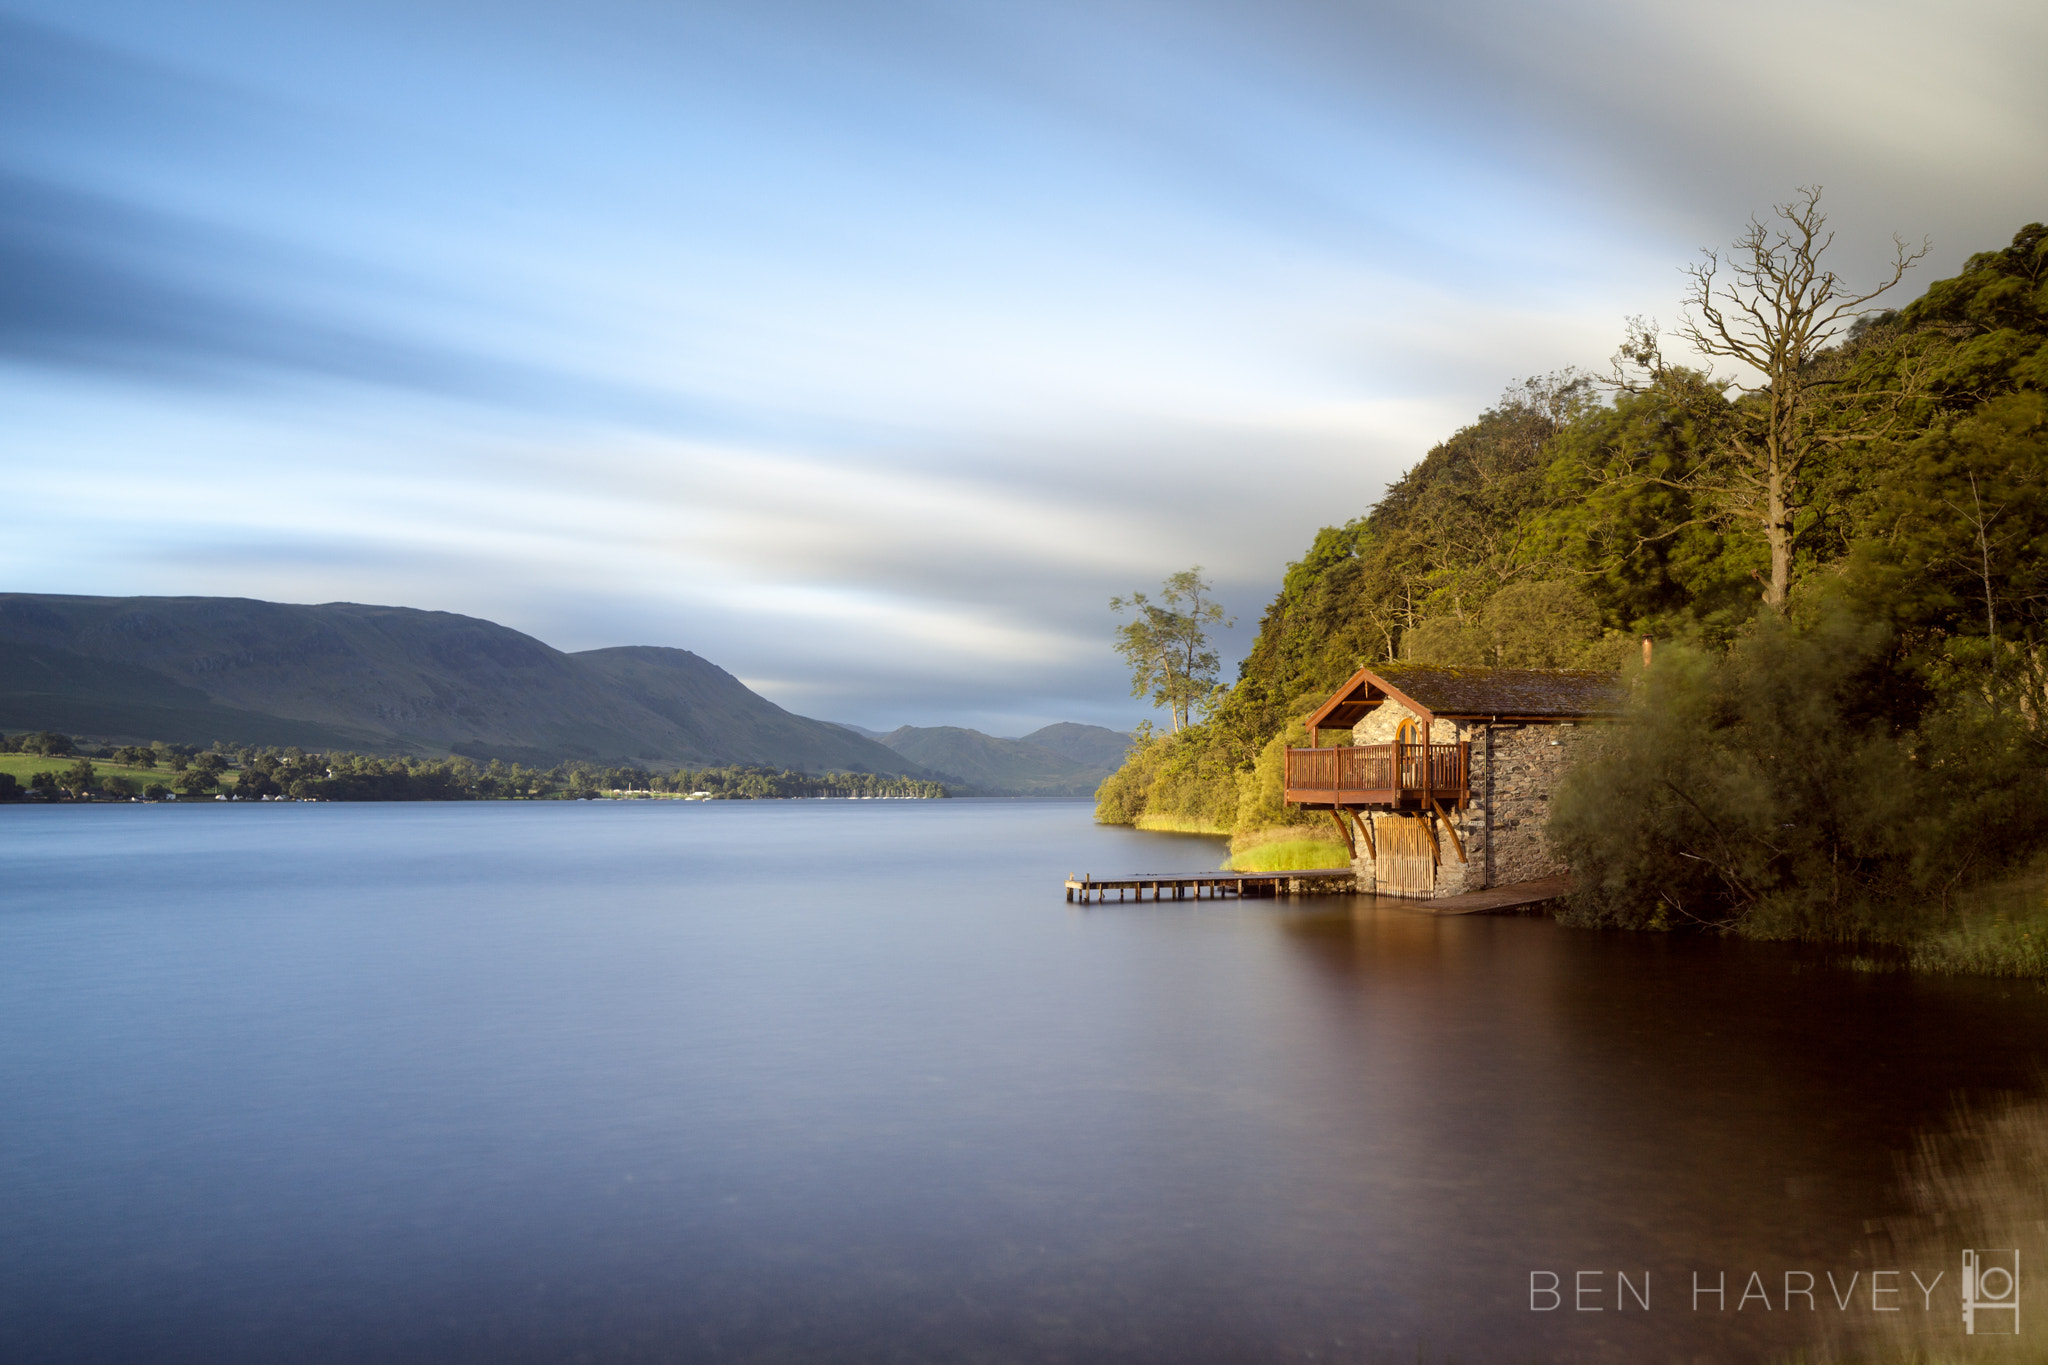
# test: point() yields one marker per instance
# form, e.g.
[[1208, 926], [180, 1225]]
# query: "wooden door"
[[1406, 865]]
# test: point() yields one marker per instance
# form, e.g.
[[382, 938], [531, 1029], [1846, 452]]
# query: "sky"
[[868, 347]]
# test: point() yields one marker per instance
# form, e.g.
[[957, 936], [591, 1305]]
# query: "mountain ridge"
[[388, 679]]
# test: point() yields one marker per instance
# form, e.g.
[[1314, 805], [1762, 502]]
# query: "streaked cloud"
[[867, 350]]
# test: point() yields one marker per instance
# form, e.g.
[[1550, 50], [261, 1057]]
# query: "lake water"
[[850, 1081]]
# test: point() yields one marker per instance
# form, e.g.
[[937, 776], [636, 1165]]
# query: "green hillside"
[[390, 680]]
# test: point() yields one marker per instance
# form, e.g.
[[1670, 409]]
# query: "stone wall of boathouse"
[[1514, 769]]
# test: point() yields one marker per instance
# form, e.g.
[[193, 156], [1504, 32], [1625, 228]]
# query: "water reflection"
[[1562, 1100], [850, 1081]]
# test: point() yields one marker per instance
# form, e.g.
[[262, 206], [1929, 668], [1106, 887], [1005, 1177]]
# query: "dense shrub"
[[1802, 784]]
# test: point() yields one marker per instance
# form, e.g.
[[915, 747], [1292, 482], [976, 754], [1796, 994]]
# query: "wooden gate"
[[1406, 865]]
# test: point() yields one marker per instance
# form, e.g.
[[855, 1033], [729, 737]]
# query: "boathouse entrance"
[[1406, 865]]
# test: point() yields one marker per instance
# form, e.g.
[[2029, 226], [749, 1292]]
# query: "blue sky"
[[868, 348]]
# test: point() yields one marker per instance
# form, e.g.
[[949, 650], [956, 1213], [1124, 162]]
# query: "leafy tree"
[[78, 779], [10, 787], [1524, 625], [196, 780], [1166, 643], [256, 782]]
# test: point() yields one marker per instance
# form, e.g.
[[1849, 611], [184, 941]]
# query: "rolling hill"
[[1060, 760], [387, 680]]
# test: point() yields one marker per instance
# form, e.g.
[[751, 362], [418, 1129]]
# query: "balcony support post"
[[1457, 844], [1344, 830]]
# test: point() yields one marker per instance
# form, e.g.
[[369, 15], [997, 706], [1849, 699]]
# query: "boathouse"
[[1440, 778]]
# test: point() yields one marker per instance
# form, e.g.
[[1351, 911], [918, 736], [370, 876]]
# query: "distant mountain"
[[860, 730], [386, 679], [1092, 746], [719, 714], [1074, 763]]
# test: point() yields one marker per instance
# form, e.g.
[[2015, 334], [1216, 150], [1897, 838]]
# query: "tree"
[[1166, 643], [78, 779], [1775, 308]]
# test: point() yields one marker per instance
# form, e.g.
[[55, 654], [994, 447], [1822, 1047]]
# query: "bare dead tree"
[[1774, 307]]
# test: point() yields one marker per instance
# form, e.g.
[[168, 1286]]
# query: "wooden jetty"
[[1178, 886], [1519, 898]]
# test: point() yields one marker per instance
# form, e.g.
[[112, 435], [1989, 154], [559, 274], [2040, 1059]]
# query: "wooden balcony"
[[1379, 777]]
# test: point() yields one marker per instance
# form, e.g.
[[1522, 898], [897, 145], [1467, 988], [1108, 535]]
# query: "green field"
[[25, 766]]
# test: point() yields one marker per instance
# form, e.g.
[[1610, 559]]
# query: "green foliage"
[[1524, 625], [1120, 800], [1798, 786], [1174, 782], [1166, 644], [36, 742], [251, 774], [1261, 792], [79, 778]]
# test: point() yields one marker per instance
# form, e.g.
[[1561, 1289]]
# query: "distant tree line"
[[296, 774]]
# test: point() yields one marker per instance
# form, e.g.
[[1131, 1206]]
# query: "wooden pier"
[[1180, 886], [1535, 897]]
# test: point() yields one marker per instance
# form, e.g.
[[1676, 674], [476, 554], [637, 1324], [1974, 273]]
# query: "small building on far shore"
[[1442, 781]]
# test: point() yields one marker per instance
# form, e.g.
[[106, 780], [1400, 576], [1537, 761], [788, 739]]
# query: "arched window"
[[1407, 732]]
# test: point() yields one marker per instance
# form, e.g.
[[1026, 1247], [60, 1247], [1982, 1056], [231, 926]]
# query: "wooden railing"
[[1378, 774]]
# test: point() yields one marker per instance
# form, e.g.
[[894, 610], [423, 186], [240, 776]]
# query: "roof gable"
[[1434, 692]]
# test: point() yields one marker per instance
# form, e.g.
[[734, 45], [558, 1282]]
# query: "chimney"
[[1646, 651]]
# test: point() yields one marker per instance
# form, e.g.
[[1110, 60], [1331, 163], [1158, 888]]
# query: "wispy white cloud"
[[868, 350]]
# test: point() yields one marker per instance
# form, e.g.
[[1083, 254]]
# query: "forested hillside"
[[387, 680], [1584, 512]]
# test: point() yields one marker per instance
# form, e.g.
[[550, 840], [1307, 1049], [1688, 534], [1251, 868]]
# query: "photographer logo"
[[1991, 1293]]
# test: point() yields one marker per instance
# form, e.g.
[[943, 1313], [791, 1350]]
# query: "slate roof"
[[1474, 693]]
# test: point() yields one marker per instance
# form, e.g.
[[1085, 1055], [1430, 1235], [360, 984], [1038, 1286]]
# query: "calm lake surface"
[[849, 1081]]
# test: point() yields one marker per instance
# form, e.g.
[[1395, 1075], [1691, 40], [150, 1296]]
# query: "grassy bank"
[[1290, 855], [23, 767], [1997, 930], [1168, 823]]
